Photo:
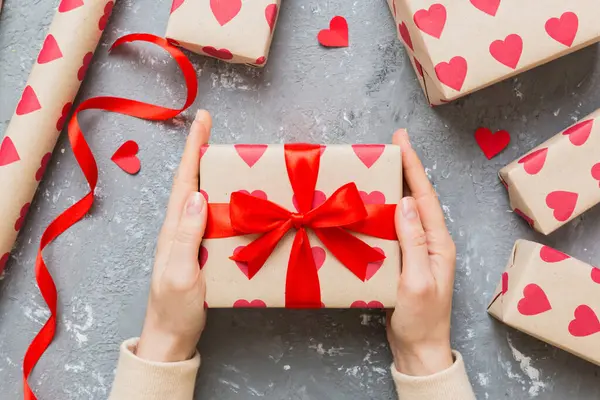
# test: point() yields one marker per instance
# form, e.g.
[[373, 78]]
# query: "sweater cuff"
[[450, 384], [137, 378]]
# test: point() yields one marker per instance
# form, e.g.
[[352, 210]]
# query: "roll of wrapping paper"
[[42, 111]]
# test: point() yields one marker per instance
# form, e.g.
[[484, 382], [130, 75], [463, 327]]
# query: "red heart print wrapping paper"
[[552, 297], [260, 170], [458, 47], [42, 109], [235, 31], [559, 179]]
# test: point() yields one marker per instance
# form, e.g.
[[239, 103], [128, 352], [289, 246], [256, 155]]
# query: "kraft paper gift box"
[[256, 180], [553, 297], [559, 179], [458, 47], [236, 31]]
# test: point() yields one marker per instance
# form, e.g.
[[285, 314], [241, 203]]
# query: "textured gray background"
[[306, 93]]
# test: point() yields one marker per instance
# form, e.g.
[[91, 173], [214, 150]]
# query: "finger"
[[413, 243]]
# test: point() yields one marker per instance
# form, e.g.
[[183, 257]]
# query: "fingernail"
[[195, 204], [409, 210]]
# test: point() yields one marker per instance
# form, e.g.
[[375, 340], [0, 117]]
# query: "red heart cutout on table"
[[126, 157], [271, 15], [43, 164], [504, 283], [3, 261], [60, 124], [241, 265], [8, 152], [21, 220], [596, 172], [29, 102], [255, 193], [596, 274], [373, 267], [419, 67], [508, 51], [364, 304], [202, 256], [586, 322], [319, 256], [225, 10], [104, 19], [578, 134], [87, 59], [563, 29], [50, 51], [534, 301], [527, 218], [68, 5], [534, 162], [453, 73], [491, 143], [260, 60], [318, 199], [223, 54], [550, 255], [203, 193], [250, 153], [336, 35], [375, 197], [487, 6], [176, 4], [431, 21], [249, 304], [405, 34], [368, 154], [563, 203]]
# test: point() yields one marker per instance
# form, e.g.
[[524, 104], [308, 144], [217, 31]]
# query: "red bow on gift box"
[[333, 221]]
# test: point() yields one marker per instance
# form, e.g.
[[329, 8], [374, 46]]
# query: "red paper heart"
[[534, 162], [241, 265], [203, 193], [225, 10], [453, 73], [578, 134], [8, 152], [50, 51], [563, 203], [68, 5], [491, 143], [250, 153], [43, 164], [260, 60], [87, 59], [126, 157], [256, 193], [271, 15], [203, 256], [405, 34], [249, 304], [29, 102], [176, 4], [487, 6], [374, 197], [550, 255], [368, 154], [104, 19], [319, 256], [504, 283], [586, 322], [419, 67], [318, 199], [336, 35], [60, 124], [534, 301], [373, 267], [3, 261], [508, 51], [21, 220], [596, 172], [431, 21], [527, 218], [596, 274], [223, 54], [364, 304], [563, 29]]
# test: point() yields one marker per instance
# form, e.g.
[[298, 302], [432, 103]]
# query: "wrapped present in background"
[[230, 30], [320, 219], [559, 179], [553, 297], [458, 47]]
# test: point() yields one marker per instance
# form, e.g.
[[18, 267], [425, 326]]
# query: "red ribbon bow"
[[332, 221]]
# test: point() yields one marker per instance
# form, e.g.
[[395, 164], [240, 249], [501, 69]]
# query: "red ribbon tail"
[[302, 288]]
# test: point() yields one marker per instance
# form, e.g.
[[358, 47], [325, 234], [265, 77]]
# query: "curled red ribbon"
[[332, 221], [88, 166]]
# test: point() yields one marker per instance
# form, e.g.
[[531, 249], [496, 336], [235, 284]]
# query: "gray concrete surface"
[[359, 94]]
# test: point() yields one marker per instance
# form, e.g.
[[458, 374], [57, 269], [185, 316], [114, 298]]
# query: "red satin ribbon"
[[342, 212], [87, 163]]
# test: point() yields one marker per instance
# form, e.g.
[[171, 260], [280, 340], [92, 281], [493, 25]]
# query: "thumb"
[[413, 241]]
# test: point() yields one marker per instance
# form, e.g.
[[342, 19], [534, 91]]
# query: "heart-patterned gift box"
[[551, 296], [558, 180], [458, 47], [269, 182], [236, 31]]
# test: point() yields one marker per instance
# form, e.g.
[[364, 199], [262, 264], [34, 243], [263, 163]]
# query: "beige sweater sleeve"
[[451, 384], [139, 379]]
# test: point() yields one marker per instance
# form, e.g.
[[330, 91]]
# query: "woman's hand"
[[419, 328], [175, 316]]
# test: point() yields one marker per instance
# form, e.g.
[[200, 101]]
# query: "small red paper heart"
[[318, 199], [21, 220], [491, 143], [578, 134], [550, 255], [175, 5], [87, 59], [260, 60], [50, 51], [596, 172], [3, 261], [431, 21], [225, 10], [373, 267], [487, 6], [504, 283], [419, 67], [375, 197], [68, 5], [43, 165], [202, 256], [255, 193], [319, 256], [368, 154], [405, 34], [508, 51], [241, 265], [453, 73], [563, 29], [249, 304], [60, 124], [104, 19], [337, 34], [8, 152], [29, 102], [364, 304], [586, 322], [563, 203], [250, 153], [534, 162], [596, 275], [126, 157], [527, 218], [534, 301], [203, 193], [271, 15]]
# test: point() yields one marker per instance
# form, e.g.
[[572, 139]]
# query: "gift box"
[[559, 179], [230, 30], [553, 297], [458, 47], [301, 226]]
